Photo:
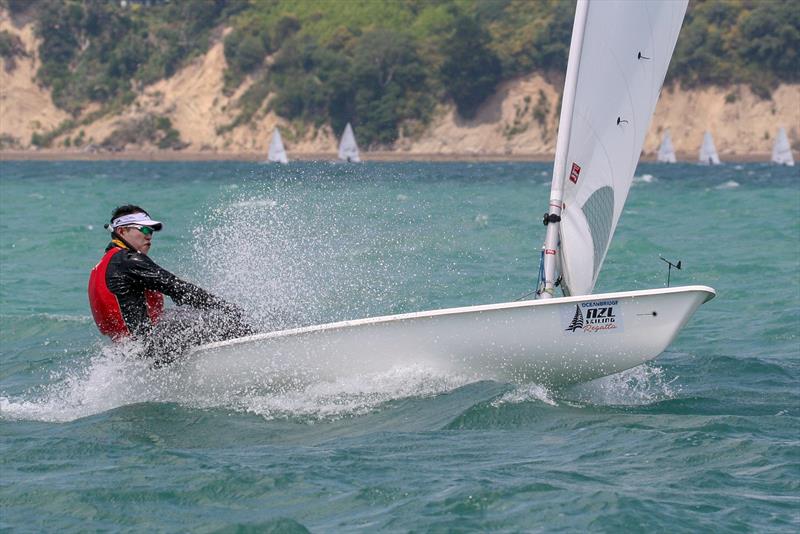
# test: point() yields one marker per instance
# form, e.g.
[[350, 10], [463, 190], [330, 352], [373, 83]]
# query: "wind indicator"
[[671, 265]]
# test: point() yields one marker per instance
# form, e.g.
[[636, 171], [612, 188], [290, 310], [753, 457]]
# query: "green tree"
[[286, 26], [250, 53], [770, 39], [301, 94], [387, 71], [471, 70]]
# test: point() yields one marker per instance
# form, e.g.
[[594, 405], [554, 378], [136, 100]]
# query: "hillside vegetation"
[[384, 66]]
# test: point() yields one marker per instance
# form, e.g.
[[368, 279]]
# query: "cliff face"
[[742, 124], [24, 106], [520, 119]]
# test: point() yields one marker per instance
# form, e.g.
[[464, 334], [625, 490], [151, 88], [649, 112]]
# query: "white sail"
[[781, 151], [618, 58], [348, 149], [666, 152], [708, 152], [277, 153]]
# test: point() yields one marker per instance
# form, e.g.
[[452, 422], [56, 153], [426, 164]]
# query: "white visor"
[[139, 218]]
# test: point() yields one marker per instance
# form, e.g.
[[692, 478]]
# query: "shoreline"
[[381, 156], [136, 155]]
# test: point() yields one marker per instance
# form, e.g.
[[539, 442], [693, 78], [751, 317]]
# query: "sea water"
[[705, 437]]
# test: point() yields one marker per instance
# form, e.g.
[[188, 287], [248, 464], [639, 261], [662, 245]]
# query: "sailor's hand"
[[238, 318], [233, 312]]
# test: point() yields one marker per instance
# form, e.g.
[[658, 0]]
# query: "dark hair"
[[127, 209]]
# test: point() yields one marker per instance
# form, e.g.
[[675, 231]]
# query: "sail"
[[348, 149], [708, 152], [277, 153], [621, 61], [666, 152], [781, 151]]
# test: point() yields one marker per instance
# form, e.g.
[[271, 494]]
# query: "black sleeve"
[[149, 275]]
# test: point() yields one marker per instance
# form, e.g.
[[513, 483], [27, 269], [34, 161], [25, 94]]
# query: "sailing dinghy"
[[348, 149], [781, 151], [708, 152], [666, 152], [619, 55], [277, 153]]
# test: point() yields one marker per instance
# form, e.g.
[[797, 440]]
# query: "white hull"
[[543, 341]]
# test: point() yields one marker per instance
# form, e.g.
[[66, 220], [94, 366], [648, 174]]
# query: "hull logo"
[[577, 320], [594, 317]]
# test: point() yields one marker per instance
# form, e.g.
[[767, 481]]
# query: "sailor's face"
[[138, 239]]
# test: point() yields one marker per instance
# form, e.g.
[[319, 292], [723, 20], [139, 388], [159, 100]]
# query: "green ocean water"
[[706, 437]]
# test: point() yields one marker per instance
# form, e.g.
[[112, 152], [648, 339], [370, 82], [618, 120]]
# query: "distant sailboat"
[[781, 151], [666, 152], [348, 149], [708, 152], [277, 153]]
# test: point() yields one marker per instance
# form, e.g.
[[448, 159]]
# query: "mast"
[[553, 216]]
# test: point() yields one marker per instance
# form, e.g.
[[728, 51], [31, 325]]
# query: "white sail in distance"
[[348, 149], [781, 150], [708, 152], [277, 153], [621, 57], [666, 152]]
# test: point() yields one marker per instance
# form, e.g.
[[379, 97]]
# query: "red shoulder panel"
[[105, 307], [155, 304]]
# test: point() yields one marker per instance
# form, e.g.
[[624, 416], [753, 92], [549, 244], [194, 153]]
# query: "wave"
[[526, 393], [114, 378], [353, 396], [31, 332], [57, 317], [640, 386], [644, 179]]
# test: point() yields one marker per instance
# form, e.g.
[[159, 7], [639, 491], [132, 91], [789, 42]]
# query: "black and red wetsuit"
[[126, 293]]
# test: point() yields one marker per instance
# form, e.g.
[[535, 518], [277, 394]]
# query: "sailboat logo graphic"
[[577, 320]]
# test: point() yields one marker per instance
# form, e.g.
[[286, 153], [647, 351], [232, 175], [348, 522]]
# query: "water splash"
[[639, 386], [730, 184], [114, 377], [109, 380], [526, 393], [351, 396], [296, 256], [482, 220]]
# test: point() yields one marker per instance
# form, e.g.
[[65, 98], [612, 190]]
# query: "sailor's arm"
[[156, 278]]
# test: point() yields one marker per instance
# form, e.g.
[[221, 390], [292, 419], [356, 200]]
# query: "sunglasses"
[[146, 230]]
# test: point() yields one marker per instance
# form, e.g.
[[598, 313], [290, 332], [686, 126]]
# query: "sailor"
[[127, 288]]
